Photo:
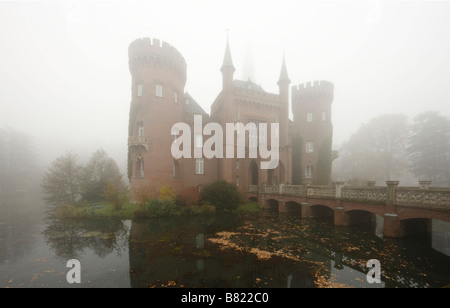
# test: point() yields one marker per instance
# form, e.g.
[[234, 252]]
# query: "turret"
[[311, 107], [227, 69], [158, 74], [283, 84]]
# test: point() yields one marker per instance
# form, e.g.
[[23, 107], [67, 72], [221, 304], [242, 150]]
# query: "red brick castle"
[[159, 100]]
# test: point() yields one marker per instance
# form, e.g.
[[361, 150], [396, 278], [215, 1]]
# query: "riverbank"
[[132, 210]]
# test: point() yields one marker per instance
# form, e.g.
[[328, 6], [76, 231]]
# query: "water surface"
[[264, 249]]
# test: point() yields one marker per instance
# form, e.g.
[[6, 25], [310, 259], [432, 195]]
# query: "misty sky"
[[64, 76]]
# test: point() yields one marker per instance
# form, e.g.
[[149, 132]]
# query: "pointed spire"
[[227, 61], [283, 74]]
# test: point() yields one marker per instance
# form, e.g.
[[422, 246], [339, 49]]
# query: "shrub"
[[204, 209], [168, 193], [222, 194], [164, 207], [188, 196]]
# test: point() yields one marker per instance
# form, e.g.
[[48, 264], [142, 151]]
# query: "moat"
[[262, 249]]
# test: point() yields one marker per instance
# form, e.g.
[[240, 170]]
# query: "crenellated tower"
[[313, 132], [158, 77]]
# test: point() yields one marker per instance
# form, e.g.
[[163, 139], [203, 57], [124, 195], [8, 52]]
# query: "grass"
[[131, 210], [248, 207]]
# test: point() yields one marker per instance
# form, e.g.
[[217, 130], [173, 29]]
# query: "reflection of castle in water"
[[158, 257], [162, 253]]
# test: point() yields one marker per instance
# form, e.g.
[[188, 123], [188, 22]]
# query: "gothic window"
[[175, 97], [262, 134], [139, 167], [140, 129], [176, 135], [176, 169], [253, 136], [198, 142], [308, 171], [199, 166]]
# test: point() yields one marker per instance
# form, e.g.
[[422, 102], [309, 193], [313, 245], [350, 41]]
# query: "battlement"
[[313, 87], [313, 91], [146, 50]]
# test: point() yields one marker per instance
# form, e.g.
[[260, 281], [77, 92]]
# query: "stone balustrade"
[[422, 196]]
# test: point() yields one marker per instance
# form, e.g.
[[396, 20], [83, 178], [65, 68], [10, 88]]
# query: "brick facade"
[[159, 100]]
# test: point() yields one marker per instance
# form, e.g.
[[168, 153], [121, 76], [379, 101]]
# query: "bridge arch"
[[359, 217], [320, 211], [414, 226], [272, 204], [293, 207], [253, 199]]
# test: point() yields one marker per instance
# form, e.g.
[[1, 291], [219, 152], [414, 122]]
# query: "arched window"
[[139, 172], [308, 171], [176, 169]]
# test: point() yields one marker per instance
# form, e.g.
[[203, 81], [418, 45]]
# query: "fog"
[[64, 76]]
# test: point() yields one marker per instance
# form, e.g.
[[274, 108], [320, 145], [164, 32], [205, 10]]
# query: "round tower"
[[158, 77], [312, 140]]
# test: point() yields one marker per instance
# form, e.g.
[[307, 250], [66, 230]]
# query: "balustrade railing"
[[422, 196]]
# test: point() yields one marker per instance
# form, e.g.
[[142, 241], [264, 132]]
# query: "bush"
[[164, 207], [189, 196], [204, 209], [168, 193], [222, 194]]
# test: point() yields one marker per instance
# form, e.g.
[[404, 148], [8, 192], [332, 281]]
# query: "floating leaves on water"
[[91, 234], [324, 282]]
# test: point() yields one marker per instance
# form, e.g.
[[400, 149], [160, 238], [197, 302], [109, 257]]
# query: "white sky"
[[64, 75]]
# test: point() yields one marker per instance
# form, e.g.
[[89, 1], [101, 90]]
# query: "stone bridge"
[[404, 210]]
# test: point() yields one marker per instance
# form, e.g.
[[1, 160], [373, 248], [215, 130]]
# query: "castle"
[[159, 100]]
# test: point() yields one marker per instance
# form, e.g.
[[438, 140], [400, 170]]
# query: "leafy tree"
[[116, 192], [61, 181], [429, 148], [99, 170], [377, 151], [222, 194]]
